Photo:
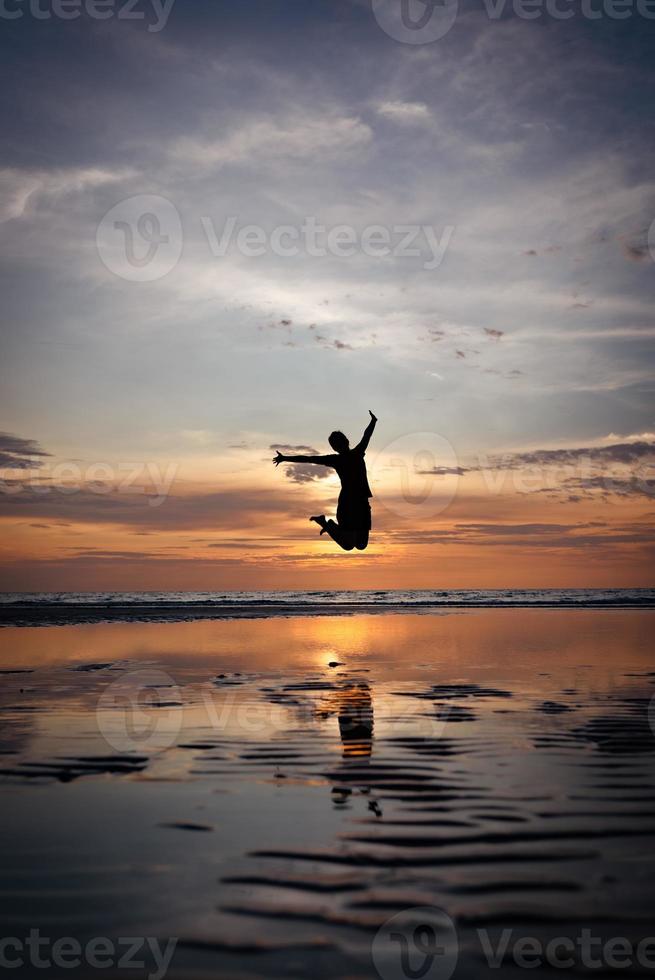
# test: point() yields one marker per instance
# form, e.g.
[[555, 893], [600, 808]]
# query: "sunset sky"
[[509, 356]]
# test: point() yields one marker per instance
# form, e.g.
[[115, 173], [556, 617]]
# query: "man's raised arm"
[[368, 432]]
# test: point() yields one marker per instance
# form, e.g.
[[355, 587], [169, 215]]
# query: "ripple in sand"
[[66, 770]]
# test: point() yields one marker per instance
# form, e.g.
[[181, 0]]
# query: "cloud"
[[258, 142], [624, 453], [302, 472], [635, 246], [588, 535], [511, 530], [637, 253], [623, 469], [621, 486], [548, 250], [405, 112], [194, 511], [288, 450], [306, 472], [22, 189], [17, 453], [444, 471], [619, 469]]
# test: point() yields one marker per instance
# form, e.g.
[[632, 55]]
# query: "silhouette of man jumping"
[[353, 523]]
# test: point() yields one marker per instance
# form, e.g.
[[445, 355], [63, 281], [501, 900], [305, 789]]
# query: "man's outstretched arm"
[[322, 460], [368, 432]]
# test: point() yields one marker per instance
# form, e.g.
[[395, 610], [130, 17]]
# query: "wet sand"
[[270, 792]]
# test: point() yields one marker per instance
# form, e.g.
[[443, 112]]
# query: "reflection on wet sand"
[[496, 765], [353, 706]]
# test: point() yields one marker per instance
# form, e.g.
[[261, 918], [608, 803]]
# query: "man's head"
[[339, 442]]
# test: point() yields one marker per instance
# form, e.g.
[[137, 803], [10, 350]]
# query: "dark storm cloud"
[[306, 473], [445, 471], [17, 453], [193, 511], [621, 486], [623, 453], [620, 469], [301, 472], [591, 535]]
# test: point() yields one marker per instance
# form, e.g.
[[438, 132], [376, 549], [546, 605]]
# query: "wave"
[[18, 608]]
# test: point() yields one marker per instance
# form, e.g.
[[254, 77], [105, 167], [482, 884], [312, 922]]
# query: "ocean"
[[72, 607]]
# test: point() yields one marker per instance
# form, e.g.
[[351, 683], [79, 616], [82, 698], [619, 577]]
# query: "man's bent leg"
[[344, 537], [361, 539]]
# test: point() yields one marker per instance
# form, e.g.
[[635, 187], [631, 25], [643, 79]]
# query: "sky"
[[227, 228]]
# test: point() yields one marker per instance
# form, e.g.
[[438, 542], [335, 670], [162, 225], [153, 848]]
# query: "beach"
[[281, 793]]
